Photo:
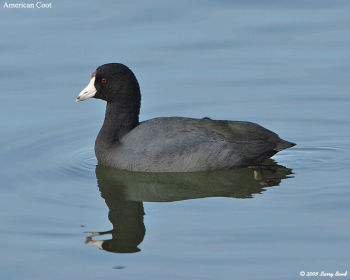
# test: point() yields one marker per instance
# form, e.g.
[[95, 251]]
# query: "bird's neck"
[[119, 120]]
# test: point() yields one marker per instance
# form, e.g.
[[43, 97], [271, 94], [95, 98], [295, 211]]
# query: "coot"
[[169, 144]]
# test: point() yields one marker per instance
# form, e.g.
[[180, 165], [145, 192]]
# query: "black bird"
[[171, 144]]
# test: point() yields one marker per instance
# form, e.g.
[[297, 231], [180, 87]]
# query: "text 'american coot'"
[[172, 144]]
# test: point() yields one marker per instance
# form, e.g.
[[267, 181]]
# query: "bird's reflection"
[[125, 191]]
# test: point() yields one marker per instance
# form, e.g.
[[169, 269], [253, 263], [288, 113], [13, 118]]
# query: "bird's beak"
[[87, 92]]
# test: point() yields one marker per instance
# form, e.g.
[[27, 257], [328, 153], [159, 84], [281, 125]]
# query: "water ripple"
[[57, 152], [316, 157]]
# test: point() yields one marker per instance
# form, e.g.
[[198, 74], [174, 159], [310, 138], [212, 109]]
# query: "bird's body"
[[172, 144], [188, 145]]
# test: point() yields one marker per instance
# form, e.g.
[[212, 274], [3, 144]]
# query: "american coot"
[[170, 144]]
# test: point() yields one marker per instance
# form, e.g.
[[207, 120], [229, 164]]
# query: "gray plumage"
[[187, 145], [172, 144]]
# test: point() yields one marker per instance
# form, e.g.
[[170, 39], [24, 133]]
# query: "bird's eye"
[[103, 80]]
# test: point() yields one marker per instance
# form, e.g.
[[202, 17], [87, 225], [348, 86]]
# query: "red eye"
[[103, 80]]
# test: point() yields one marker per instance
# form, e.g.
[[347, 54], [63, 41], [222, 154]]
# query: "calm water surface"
[[283, 64]]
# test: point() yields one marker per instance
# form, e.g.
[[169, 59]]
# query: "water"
[[283, 64]]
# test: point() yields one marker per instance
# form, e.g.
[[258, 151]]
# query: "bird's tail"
[[283, 144]]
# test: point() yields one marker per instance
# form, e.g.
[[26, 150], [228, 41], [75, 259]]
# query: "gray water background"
[[282, 64]]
